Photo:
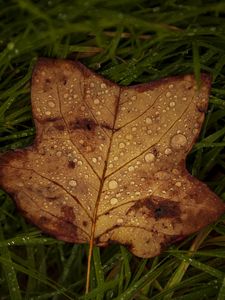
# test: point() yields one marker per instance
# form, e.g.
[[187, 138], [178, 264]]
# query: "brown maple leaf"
[[108, 162]]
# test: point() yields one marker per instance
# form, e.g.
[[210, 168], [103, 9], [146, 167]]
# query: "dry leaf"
[[108, 162]]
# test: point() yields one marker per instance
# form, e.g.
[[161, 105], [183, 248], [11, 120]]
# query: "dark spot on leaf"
[[156, 207], [155, 152], [83, 124], [88, 125], [85, 223], [64, 79], [59, 127], [52, 198], [66, 231], [47, 85], [54, 119], [71, 164], [68, 213]]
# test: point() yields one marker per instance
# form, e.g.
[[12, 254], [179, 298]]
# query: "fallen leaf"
[[108, 162]]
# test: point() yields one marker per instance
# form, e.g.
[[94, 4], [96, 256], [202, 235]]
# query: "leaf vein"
[[68, 130], [56, 183], [51, 214], [121, 167]]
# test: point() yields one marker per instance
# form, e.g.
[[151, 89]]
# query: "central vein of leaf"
[[99, 196]]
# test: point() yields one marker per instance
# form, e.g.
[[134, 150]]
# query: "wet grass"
[[128, 42]]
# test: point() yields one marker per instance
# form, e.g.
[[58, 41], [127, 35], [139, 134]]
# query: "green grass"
[[128, 41]]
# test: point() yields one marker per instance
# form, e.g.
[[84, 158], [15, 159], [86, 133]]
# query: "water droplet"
[[148, 121], [195, 131], [168, 151], [48, 113], [178, 184], [72, 183], [88, 148], [92, 84], [162, 175], [121, 145], [131, 169], [103, 85], [184, 98], [175, 171], [178, 141], [10, 45], [134, 97], [134, 129], [119, 221], [51, 104], [170, 86], [110, 166], [172, 104], [113, 201], [168, 94], [149, 157], [94, 160], [58, 153], [113, 184], [129, 136], [96, 101]]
